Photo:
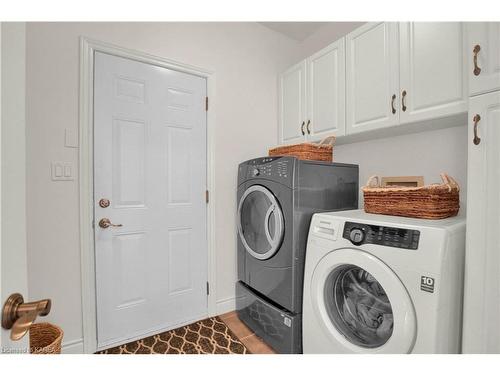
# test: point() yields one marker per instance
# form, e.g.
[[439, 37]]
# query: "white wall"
[[246, 58], [13, 197], [422, 154]]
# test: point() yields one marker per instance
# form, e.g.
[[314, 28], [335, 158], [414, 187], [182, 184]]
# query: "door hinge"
[[207, 196], [206, 103], [208, 288]]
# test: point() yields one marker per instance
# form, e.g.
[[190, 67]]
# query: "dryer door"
[[260, 222], [362, 304]]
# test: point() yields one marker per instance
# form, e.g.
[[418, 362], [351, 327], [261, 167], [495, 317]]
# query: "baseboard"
[[226, 305], [72, 347]]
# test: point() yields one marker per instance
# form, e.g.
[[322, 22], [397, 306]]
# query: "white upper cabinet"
[[483, 57], [292, 104], [385, 74], [326, 92], [372, 81], [432, 70]]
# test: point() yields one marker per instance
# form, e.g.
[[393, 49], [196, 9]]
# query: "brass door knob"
[[104, 203], [20, 316], [106, 223]]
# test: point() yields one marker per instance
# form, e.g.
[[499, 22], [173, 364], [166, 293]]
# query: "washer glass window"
[[260, 222], [358, 306]]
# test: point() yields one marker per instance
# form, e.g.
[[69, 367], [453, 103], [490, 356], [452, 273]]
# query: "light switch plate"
[[62, 171], [70, 138]]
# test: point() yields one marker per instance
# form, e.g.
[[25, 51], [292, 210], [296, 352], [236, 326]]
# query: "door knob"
[[106, 223], [104, 203], [20, 316]]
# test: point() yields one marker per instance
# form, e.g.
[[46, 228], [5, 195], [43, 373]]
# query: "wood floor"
[[245, 335]]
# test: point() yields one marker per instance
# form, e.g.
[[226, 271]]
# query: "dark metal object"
[[476, 120], [477, 69]]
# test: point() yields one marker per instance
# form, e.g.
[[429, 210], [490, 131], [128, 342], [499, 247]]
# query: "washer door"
[[260, 222], [362, 304]]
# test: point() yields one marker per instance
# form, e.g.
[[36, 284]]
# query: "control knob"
[[255, 172], [357, 236]]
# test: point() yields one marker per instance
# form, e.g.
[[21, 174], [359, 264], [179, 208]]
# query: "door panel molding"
[[88, 47]]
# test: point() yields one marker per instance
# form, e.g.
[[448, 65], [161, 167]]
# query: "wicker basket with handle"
[[45, 338], [436, 201], [322, 151]]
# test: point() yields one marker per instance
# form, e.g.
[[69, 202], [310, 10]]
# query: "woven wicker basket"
[[45, 338], [322, 151], [436, 201]]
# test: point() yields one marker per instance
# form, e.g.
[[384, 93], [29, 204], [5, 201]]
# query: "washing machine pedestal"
[[279, 328]]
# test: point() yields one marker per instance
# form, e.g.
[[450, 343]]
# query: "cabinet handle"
[[476, 120], [477, 69], [302, 128], [403, 101], [392, 104], [308, 127]]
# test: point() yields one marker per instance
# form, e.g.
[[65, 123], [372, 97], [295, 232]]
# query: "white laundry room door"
[[149, 198]]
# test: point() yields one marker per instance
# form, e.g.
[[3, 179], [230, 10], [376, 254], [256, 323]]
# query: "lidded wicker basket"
[[45, 338], [322, 151], [435, 201]]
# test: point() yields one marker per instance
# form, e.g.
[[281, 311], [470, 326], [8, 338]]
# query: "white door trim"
[[87, 49]]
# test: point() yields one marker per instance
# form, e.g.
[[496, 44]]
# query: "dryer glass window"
[[261, 222], [359, 307], [253, 213]]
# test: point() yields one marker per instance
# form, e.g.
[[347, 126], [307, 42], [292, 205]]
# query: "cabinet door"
[[432, 70], [326, 92], [486, 35], [481, 331], [292, 103], [372, 58]]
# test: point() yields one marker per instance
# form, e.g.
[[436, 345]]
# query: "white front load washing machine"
[[383, 284]]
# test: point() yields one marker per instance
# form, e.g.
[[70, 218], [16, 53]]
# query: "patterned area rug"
[[209, 336]]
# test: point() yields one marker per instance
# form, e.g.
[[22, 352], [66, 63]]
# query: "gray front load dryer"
[[276, 199]]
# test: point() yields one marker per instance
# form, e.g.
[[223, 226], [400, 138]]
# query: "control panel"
[[360, 234], [267, 167]]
